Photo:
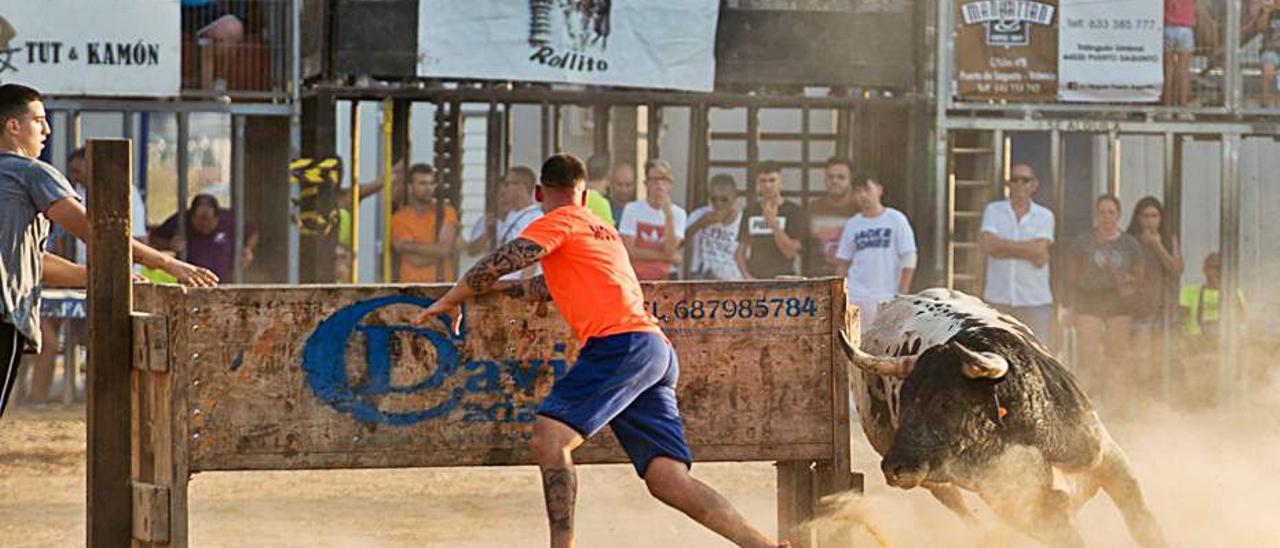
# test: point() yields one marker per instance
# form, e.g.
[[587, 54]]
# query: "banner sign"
[[637, 43], [1111, 51], [1007, 50], [96, 48]]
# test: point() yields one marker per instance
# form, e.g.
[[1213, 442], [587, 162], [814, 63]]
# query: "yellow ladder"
[[976, 164]]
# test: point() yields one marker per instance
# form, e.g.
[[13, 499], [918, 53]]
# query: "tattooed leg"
[[560, 489], [552, 444]]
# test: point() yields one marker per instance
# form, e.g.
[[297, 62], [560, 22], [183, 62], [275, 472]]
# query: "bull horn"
[[876, 365], [982, 365]]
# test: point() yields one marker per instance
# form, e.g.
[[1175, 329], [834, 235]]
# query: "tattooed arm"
[[513, 256], [530, 289]]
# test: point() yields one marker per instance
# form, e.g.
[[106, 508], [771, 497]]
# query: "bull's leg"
[[1018, 486], [1116, 478], [950, 496]]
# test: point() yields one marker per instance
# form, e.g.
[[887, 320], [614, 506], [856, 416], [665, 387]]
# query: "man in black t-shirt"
[[773, 230]]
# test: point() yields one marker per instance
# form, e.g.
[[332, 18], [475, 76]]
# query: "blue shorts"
[[1179, 39], [627, 381], [1269, 57]]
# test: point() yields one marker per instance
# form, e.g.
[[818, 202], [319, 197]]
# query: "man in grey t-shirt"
[[31, 194]]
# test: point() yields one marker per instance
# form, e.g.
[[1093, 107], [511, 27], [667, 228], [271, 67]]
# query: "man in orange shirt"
[[426, 250], [625, 376]]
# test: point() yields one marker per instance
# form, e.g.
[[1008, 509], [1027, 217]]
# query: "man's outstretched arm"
[[512, 256]]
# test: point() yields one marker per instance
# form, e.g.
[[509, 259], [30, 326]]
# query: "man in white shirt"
[[713, 233], [515, 196], [1016, 235], [877, 250], [653, 228]]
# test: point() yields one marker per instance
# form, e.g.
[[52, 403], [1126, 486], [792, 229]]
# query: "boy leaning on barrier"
[[625, 376], [31, 194]]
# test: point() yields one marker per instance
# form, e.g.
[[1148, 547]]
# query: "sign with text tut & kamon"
[[1007, 50], [94, 48], [637, 43]]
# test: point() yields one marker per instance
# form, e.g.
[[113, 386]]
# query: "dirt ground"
[[1209, 476]]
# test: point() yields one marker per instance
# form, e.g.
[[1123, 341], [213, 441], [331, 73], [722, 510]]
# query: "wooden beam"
[[110, 496]]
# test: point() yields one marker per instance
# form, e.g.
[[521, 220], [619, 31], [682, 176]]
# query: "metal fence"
[[242, 49]]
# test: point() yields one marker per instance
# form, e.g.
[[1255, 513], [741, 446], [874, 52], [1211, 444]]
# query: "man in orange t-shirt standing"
[[426, 250], [626, 372]]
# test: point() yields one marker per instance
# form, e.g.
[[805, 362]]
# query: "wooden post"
[[795, 501], [110, 300]]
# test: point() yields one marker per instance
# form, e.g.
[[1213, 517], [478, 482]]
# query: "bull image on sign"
[[954, 394]]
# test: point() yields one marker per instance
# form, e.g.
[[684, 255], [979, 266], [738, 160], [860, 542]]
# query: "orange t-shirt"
[[589, 274], [407, 224]]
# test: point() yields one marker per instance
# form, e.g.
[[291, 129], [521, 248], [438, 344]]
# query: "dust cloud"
[[1208, 474]]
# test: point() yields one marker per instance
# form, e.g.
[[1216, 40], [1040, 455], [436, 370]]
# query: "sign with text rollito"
[[1007, 49], [1111, 52], [98, 48], [639, 43]]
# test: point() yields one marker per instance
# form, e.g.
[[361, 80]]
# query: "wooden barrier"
[[286, 378]]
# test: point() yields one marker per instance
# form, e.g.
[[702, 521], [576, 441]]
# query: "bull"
[[956, 395]]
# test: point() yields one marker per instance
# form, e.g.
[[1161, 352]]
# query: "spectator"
[[1104, 271], [210, 236], [1201, 310], [1267, 23], [773, 230], [597, 186], [622, 187], [1016, 235], [1162, 263], [424, 243], [33, 193], [827, 217], [210, 19], [1201, 307], [515, 197], [713, 233], [1179, 44], [877, 250], [652, 229]]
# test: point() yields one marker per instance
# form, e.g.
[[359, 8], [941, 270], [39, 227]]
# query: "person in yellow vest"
[[1201, 303], [1201, 308]]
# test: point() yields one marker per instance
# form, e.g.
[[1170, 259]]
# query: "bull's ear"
[[982, 365]]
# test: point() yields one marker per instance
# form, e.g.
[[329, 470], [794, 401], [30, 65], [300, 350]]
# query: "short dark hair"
[[77, 154], [768, 167], [598, 167], [723, 180], [839, 161], [562, 170], [203, 200], [14, 100], [526, 176], [424, 169], [864, 179]]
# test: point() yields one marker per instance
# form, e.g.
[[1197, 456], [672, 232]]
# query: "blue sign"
[[324, 362]]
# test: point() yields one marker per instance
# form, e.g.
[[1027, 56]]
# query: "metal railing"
[[241, 49]]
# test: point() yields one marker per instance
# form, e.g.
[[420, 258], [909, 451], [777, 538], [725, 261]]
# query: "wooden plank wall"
[[335, 377]]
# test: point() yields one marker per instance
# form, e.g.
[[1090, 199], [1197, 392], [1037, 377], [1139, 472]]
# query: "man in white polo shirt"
[[1016, 235]]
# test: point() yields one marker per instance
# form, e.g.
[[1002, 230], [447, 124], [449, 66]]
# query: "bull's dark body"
[[943, 428]]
